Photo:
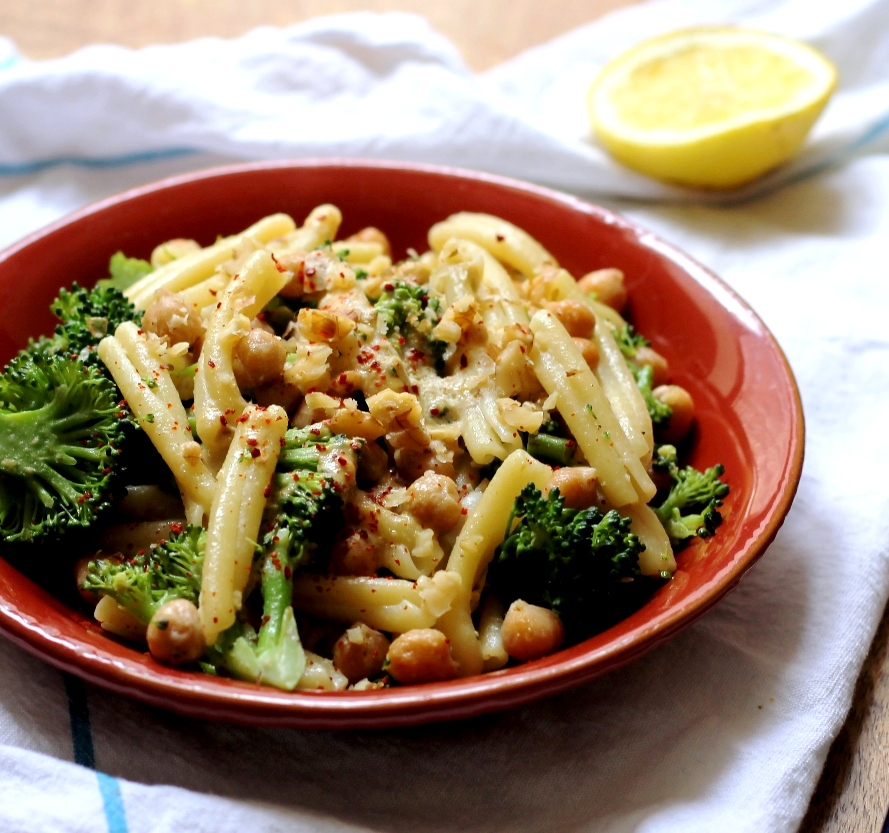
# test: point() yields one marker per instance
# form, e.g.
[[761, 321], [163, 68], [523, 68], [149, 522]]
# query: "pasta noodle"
[[235, 516], [588, 413], [218, 402], [151, 395]]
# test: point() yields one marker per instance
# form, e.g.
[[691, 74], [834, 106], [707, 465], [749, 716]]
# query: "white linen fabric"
[[726, 727]]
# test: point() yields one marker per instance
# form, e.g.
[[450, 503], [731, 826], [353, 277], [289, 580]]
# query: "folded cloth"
[[724, 728]]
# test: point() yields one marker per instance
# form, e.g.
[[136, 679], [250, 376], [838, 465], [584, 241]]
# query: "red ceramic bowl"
[[748, 412]]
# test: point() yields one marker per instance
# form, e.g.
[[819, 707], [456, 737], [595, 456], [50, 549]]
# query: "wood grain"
[[853, 793]]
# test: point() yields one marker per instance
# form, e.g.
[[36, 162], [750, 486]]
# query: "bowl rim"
[[233, 701]]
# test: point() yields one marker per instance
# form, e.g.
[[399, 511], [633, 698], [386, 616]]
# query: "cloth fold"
[[724, 728]]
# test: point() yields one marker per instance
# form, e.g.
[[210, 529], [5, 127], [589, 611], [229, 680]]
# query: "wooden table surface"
[[853, 793]]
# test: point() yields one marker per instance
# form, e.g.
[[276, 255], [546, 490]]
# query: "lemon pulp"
[[710, 107]]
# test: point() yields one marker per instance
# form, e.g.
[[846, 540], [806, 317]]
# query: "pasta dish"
[[328, 469]]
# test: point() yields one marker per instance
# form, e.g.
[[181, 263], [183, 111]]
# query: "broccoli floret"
[[579, 563], [124, 271], [61, 429], [409, 311], [660, 412], [147, 581], [303, 513], [86, 317], [304, 510], [629, 342], [692, 504]]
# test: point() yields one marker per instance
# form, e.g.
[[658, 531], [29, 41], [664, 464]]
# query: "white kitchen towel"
[[723, 729]]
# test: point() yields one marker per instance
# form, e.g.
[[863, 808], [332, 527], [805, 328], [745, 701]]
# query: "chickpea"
[[175, 636], [372, 235], [413, 463], [360, 652], [171, 317], [422, 655], [679, 399], [607, 285], [576, 484], [575, 315], [354, 555], [258, 359], [279, 392], [433, 500], [530, 632], [660, 369], [589, 350]]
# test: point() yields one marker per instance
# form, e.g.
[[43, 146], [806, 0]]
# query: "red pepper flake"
[[255, 452], [223, 420], [176, 528], [211, 363], [500, 238]]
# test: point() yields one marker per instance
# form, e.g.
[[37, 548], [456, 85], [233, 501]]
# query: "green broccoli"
[[147, 581], [86, 317], [409, 312], [61, 430], [629, 342], [578, 562], [303, 513], [550, 446], [124, 271], [692, 505], [660, 412]]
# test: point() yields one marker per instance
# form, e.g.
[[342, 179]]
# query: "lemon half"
[[710, 107]]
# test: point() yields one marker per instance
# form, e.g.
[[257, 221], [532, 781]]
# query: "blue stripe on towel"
[[24, 168], [113, 803], [85, 753]]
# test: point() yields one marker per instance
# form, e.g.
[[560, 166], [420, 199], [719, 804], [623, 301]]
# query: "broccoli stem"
[[299, 458], [277, 591], [558, 451]]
